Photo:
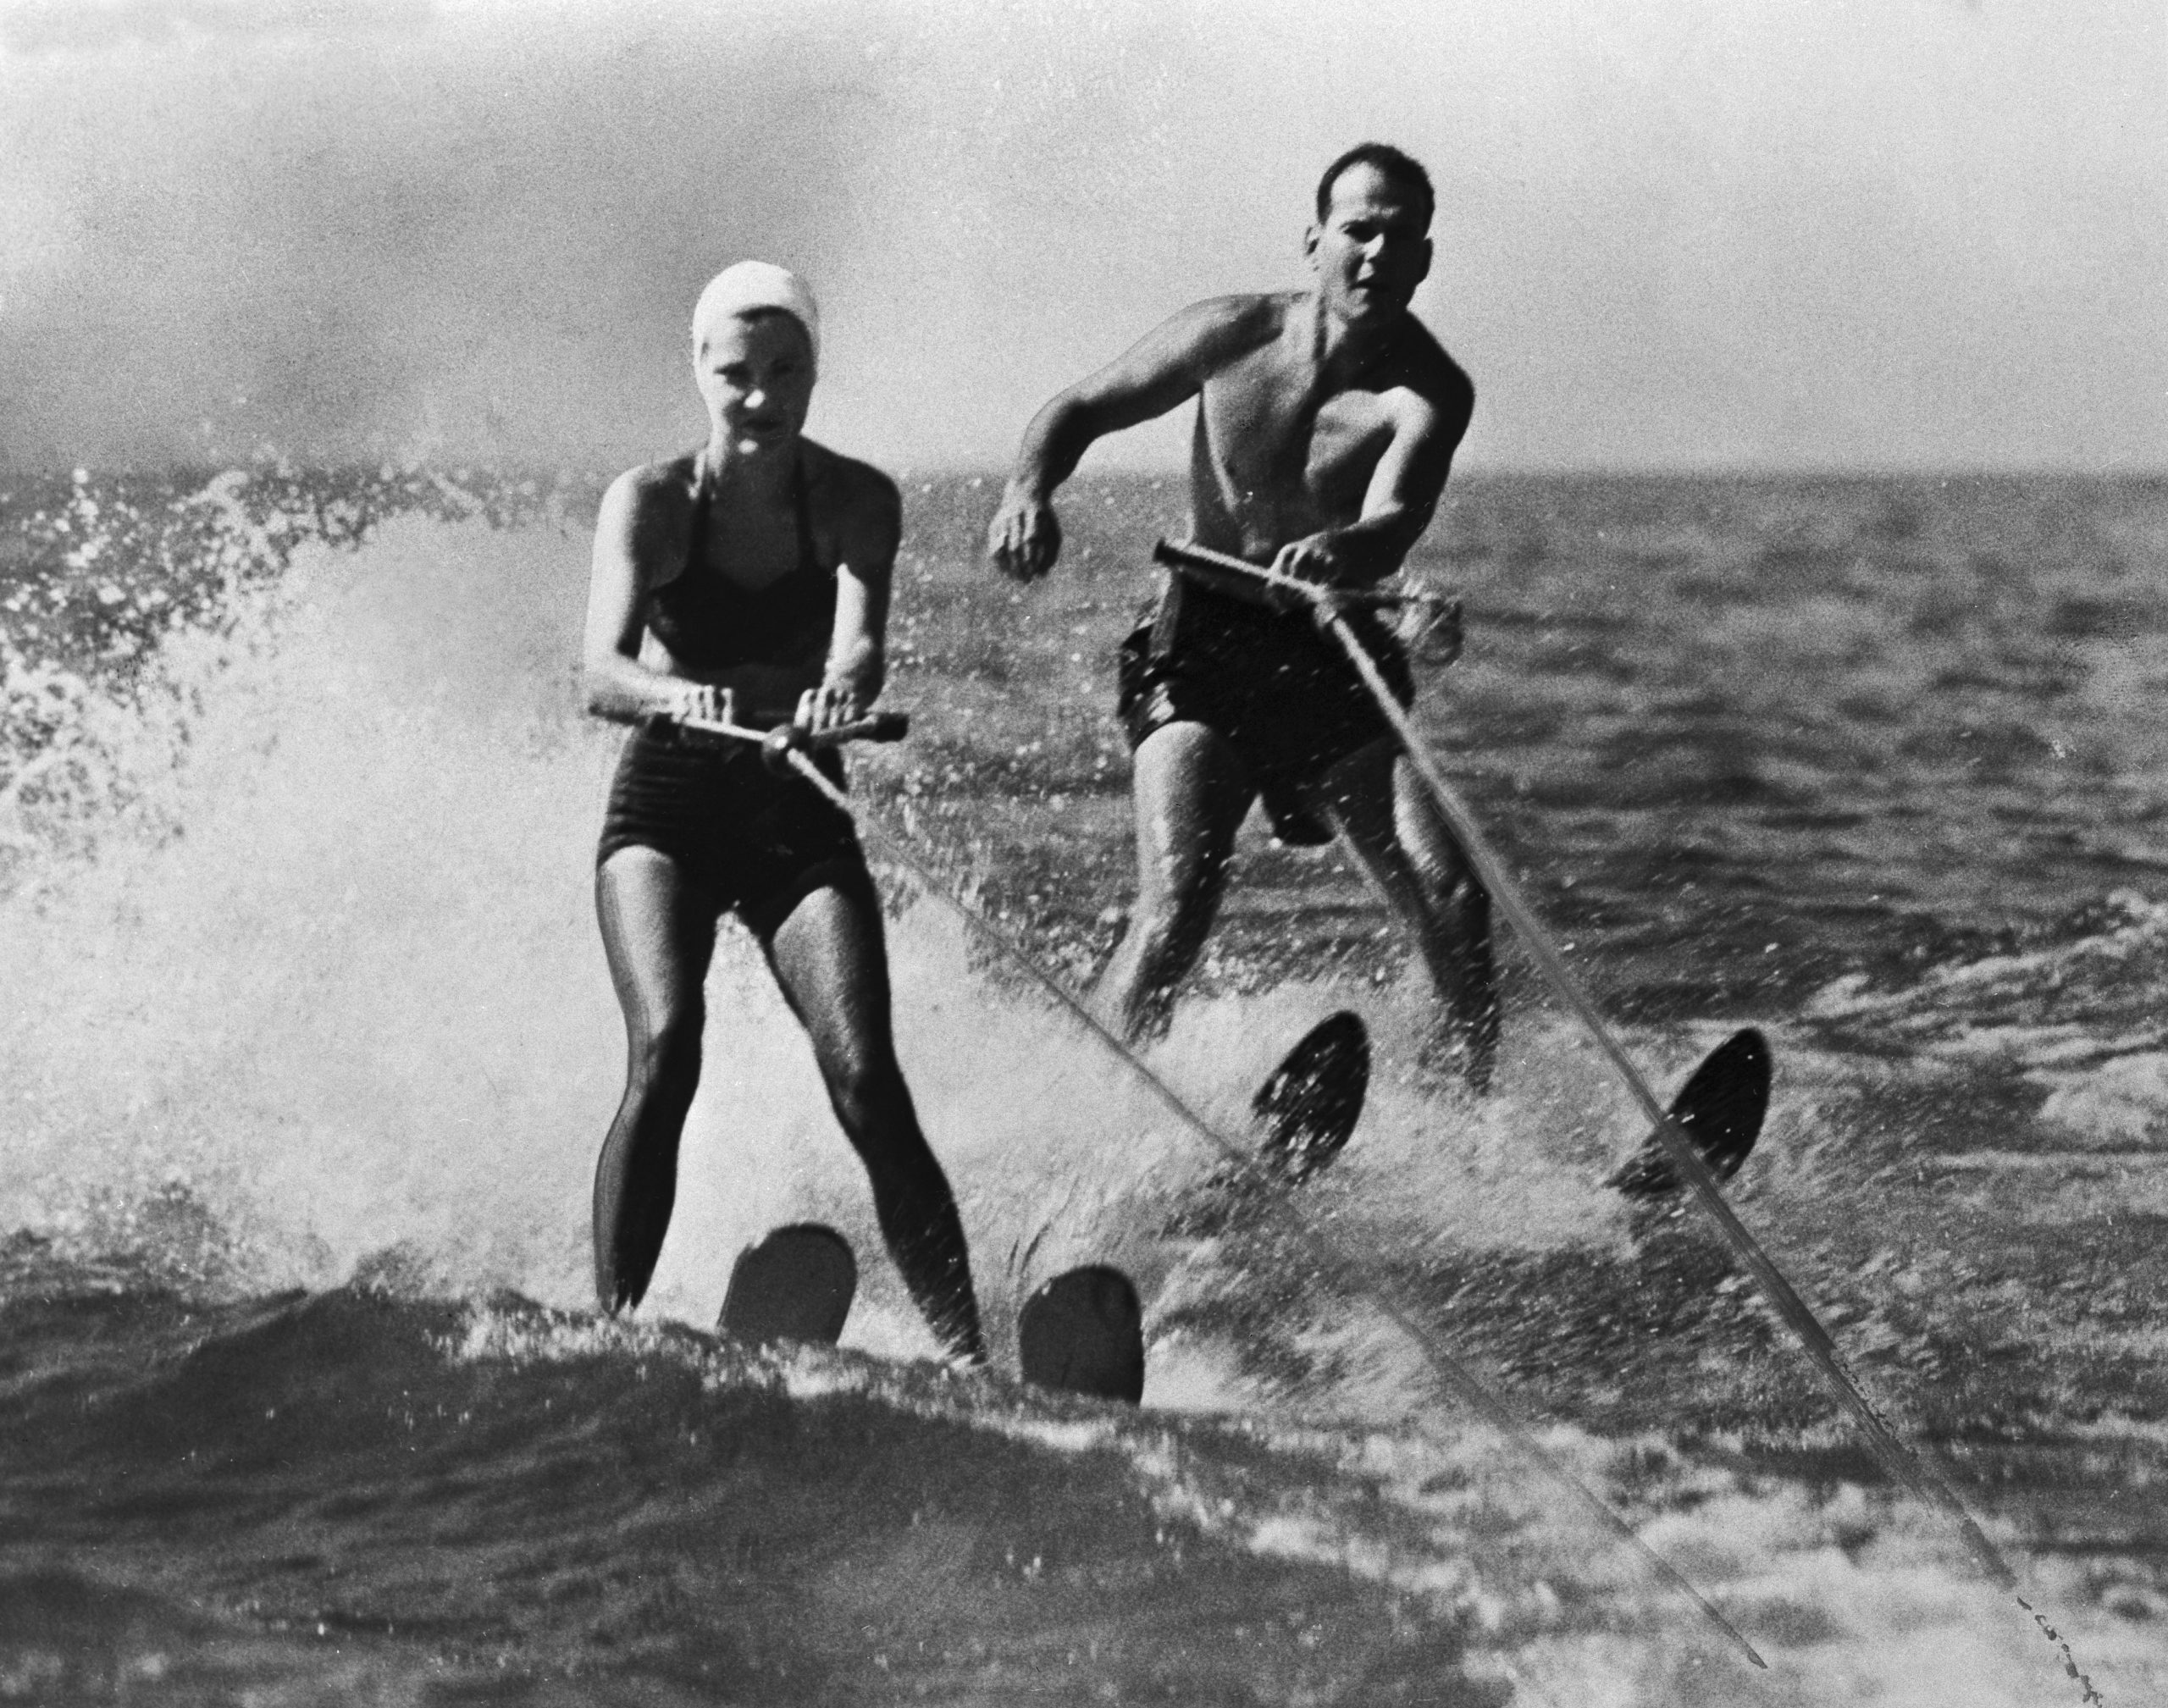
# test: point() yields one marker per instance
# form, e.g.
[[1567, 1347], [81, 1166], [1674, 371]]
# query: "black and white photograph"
[[1309, 854]]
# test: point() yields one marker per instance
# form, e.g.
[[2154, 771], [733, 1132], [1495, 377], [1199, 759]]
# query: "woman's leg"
[[829, 958], [659, 932]]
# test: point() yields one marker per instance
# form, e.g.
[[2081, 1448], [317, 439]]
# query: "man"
[[1326, 422]]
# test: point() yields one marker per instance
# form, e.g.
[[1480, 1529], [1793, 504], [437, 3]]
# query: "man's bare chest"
[[1270, 429]]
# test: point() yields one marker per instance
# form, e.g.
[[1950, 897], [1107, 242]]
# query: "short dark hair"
[[1387, 162]]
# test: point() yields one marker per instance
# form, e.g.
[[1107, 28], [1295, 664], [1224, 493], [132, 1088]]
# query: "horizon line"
[[528, 466]]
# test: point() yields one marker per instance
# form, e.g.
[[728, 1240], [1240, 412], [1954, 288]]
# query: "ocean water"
[[308, 1047]]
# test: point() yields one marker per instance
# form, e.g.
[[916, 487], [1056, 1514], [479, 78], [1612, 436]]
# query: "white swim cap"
[[751, 285]]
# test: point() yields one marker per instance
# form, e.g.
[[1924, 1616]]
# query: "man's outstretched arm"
[[1164, 370], [1400, 501]]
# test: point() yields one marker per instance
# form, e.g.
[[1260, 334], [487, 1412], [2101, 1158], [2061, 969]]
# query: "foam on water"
[[308, 993], [318, 995], [337, 976]]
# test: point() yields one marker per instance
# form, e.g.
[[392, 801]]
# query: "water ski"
[[796, 1285], [1309, 1104], [1721, 1109], [1083, 1333]]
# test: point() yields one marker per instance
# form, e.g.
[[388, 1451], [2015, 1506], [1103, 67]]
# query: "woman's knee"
[[667, 1045], [865, 1085]]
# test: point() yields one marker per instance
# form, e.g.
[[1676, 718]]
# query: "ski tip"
[[1083, 1333], [1721, 1107]]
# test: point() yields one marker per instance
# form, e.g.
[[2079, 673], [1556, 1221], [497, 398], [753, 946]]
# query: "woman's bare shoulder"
[[641, 521], [666, 485], [854, 499], [844, 481]]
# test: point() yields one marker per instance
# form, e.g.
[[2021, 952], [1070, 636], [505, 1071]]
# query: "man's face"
[[755, 374], [1372, 251]]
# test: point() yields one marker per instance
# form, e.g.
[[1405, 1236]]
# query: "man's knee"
[[1454, 909], [1449, 880], [1171, 924]]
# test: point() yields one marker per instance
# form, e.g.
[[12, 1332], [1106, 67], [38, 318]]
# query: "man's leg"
[[1378, 804], [1191, 790], [658, 932], [829, 958]]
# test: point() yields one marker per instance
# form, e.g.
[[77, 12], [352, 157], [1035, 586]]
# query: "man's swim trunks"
[[1276, 686], [748, 839]]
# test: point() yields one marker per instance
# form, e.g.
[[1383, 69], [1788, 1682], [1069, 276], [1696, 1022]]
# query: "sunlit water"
[[309, 1044]]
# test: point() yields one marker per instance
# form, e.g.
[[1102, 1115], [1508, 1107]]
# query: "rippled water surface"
[[308, 1044]]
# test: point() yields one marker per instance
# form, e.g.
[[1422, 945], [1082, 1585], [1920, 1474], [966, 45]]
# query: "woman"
[[735, 584]]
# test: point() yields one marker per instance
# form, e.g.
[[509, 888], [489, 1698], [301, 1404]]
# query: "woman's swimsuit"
[[748, 839]]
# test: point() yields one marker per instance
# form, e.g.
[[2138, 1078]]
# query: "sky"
[[1765, 234]]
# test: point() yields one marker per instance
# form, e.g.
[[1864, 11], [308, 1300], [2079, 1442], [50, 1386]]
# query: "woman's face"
[[755, 374]]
